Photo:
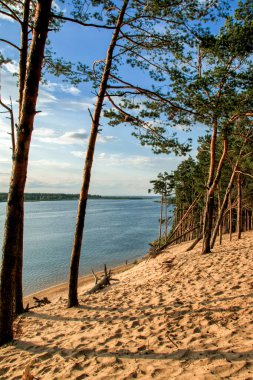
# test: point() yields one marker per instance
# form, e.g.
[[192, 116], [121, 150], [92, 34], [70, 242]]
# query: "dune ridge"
[[178, 316]]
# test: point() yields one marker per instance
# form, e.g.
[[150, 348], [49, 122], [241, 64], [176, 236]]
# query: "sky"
[[121, 165]]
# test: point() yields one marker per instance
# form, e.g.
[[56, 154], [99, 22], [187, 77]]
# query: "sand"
[[189, 319]]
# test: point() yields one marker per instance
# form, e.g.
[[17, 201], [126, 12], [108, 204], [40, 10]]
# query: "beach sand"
[[178, 316]]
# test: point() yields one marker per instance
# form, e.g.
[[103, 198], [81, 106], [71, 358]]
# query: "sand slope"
[[192, 319]]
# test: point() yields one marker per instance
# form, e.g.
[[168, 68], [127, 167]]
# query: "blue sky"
[[121, 165]]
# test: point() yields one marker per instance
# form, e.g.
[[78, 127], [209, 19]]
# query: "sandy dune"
[[189, 319]]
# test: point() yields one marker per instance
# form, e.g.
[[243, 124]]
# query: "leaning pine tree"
[[77, 243], [15, 203]]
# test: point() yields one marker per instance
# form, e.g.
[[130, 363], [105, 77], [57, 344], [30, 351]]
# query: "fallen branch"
[[195, 242], [103, 282], [37, 303]]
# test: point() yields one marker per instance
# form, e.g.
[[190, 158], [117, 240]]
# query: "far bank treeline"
[[195, 60], [39, 197]]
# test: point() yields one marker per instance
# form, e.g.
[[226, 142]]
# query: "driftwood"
[[37, 303], [102, 282], [41, 302]]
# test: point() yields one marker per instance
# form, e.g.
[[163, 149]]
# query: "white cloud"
[[6, 18], [120, 159], [71, 90], [77, 106], [77, 137], [42, 114], [43, 132], [53, 86], [130, 161], [46, 98], [104, 139], [78, 153], [50, 163], [67, 138], [11, 67]]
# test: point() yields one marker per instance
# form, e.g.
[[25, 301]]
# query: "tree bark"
[[80, 218], [208, 212], [230, 217], [14, 212], [166, 216], [161, 221], [239, 206], [225, 200], [23, 51], [212, 183], [194, 243], [22, 75], [219, 208]]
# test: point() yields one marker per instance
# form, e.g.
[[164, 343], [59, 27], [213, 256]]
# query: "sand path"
[[191, 319]]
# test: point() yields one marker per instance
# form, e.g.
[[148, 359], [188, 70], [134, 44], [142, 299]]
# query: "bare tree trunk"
[[22, 75], [14, 212], [208, 212], [194, 243], [212, 183], [23, 52], [80, 218], [239, 206], [181, 219], [161, 221], [224, 203], [230, 216], [166, 217], [219, 207]]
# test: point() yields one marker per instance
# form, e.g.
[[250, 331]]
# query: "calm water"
[[115, 231]]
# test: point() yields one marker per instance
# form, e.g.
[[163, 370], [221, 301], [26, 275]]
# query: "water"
[[115, 231]]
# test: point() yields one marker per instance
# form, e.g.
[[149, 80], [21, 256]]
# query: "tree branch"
[[10, 43], [152, 94], [79, 22], [13, 14]]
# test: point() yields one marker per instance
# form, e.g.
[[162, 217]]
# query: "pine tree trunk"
[[224, 204], [22, 75], [166, 217], [23, 51], [80, 219], [212, 183], [239, 206], [15, 203], [230, 217], [219, 206], [208, 212], [161, 221]]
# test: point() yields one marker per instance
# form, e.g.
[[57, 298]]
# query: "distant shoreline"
[[42, 197]]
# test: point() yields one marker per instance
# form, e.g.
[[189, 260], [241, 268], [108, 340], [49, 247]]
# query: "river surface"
[[115, 231]]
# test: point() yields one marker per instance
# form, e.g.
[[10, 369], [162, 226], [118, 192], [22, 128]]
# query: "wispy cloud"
[[46, 98], [50, 163], [105, 139], [130, 161], [67, 138], [75, 106], [11, 67], [53, 86], [79, 136], [6, 18]]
